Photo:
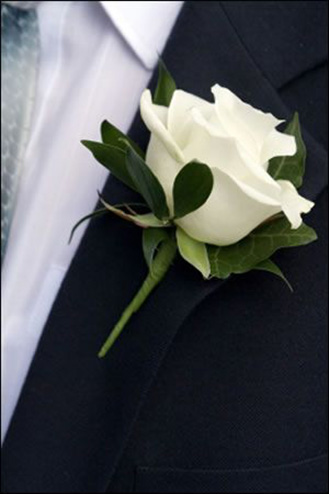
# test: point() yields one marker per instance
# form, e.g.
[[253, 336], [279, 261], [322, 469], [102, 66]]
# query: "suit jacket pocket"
[[304, 476]]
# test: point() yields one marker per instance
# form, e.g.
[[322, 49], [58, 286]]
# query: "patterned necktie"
[[19, 61]]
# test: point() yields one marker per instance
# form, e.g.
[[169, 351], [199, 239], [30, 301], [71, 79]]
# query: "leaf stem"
[[159, 268]]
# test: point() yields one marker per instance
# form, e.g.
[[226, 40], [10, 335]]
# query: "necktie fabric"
[[19, 60], [21, 4]]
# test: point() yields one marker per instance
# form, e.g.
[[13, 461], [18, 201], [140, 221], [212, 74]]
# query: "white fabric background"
[[96, 59]]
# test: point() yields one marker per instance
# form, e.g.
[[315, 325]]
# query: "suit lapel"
[[76, 413]]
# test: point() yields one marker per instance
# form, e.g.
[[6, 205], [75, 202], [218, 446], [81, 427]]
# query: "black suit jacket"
[[213, 386]]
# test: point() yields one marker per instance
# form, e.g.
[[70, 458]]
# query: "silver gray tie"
[[19, 61]]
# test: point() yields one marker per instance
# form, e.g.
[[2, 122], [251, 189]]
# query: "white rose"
[[236, 141]]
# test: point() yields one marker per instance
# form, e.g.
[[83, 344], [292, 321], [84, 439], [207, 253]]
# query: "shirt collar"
[[144, 25]]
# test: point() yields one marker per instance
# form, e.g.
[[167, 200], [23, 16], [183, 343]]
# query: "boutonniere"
[[219, 183]]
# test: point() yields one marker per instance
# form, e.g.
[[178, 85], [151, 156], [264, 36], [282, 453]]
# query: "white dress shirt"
[[96, 59]]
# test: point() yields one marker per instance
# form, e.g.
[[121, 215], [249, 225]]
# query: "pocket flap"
[[305, 476]]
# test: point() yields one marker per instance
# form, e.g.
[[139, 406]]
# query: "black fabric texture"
[[213, 386]]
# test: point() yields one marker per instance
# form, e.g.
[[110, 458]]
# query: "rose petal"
[[162, 113], [154, 122], [278, 144], [293, 205], [230, 213], [207, 144], [247, 124], [180, 117]]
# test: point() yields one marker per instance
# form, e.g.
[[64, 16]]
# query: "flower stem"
[[159, 268]]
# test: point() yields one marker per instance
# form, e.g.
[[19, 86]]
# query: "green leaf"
[[113, 136], [270, 266], [193, 252], [152, 238], [192, 187], [165, 87], [98, 212], [291, 168], [113, 158], [147, 220], [146, 183], [257, 246]]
